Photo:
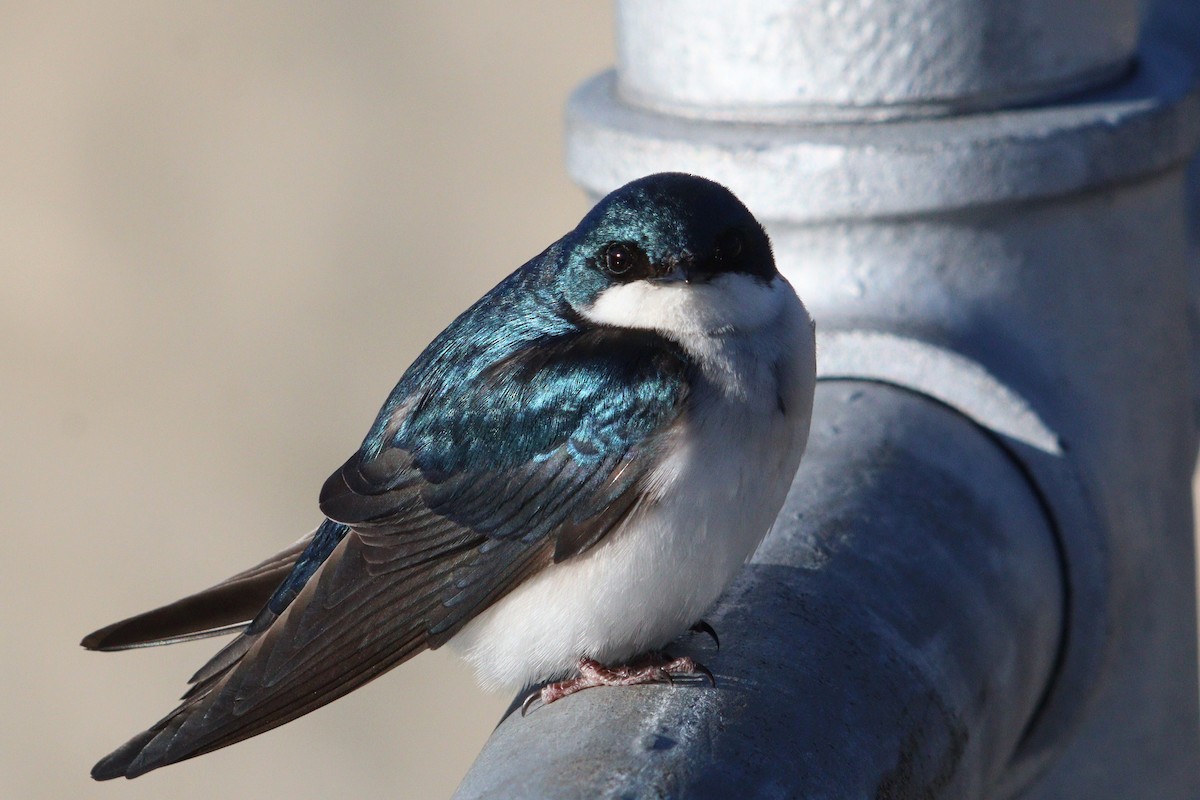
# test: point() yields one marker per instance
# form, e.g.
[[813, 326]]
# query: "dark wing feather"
[[320, 546], [345, 628], [229, 606], [457, 495]]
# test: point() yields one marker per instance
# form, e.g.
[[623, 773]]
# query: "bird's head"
[[675, 253]]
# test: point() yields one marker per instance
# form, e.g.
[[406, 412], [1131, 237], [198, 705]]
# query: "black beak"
[[682, 268]]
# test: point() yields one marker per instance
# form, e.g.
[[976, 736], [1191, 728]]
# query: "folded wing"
[[464, 487]]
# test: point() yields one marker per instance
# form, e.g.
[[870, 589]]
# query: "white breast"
[[717, 494]]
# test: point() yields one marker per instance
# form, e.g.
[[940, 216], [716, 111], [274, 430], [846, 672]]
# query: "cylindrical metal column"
[[813, 59]]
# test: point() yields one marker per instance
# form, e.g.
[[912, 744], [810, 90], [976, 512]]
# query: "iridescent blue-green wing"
[[545, 441]]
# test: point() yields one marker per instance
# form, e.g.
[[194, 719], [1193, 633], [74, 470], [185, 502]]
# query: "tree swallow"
[[562, 482]]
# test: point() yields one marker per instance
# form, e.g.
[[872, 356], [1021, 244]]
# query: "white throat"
[[732, 303]]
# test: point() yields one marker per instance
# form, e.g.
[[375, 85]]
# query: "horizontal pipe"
[[893, 637]]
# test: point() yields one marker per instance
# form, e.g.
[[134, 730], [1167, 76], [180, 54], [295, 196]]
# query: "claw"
[[525, 706], [703, 627]]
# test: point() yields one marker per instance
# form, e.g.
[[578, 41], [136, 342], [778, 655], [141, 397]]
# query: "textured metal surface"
[[1080, 306], [810, 173], [814, 59], [892, 637]]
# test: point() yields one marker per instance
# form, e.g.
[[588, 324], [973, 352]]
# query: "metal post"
[[982, 584]]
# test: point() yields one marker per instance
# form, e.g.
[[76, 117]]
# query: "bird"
[[563, 482]]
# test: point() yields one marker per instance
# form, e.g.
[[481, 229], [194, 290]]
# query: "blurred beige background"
[[225, 229]]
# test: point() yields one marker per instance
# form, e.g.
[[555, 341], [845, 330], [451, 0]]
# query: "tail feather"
[[224, 608]]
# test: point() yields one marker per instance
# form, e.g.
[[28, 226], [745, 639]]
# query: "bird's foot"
[[653, 667]]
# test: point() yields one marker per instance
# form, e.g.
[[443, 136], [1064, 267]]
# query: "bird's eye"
[[618, 259], [730, 244]]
